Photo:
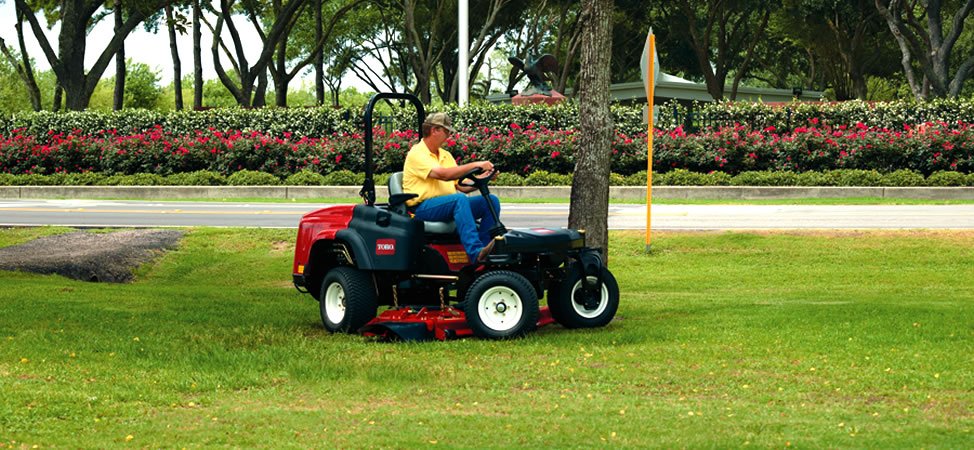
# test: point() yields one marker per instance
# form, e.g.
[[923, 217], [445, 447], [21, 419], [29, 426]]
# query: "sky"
[[145, 47]]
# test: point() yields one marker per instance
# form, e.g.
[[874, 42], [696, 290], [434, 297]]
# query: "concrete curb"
[[615, 192]]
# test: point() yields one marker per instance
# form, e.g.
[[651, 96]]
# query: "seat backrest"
[[395, 187], [395, 184]]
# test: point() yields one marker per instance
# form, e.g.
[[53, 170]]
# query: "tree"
[[68, 63], [723, 35], [431, 40], [119, 98], [243, 88], [197, 57], [374, 50], [928, 45], [24, 67], [176, 22], [631, 23], [501, 16], [589, 209], [422, 51], [855, 48], [279, 71], [550, 26], [142, 87]]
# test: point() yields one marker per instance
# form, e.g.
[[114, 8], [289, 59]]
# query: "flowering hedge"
[[522, 150]]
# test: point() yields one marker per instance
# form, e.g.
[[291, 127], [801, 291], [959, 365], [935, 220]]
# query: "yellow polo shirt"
[[415, 177]]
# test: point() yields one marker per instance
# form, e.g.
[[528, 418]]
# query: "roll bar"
[[368, 188]]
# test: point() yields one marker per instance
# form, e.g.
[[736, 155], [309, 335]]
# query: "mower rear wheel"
[[347, 300], [501, 305], [573, 307]]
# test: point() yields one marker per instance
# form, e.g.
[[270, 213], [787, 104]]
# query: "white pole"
[[464, 43]]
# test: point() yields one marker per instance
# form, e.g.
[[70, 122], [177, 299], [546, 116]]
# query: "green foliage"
[[903, 177], [111, 180], [305, 178], [344, 178], [970, 179], [380, 179], [816, 179], [77, 179], [946, 178], [639, 179], [544, 178], [143, 179], [32, 179], [198, 178], [508, 179], [252, 178], [852, 177], [718, 179], [682, 177], [616, 179]]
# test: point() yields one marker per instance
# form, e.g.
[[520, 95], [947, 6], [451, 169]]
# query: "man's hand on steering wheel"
[[477, 177]]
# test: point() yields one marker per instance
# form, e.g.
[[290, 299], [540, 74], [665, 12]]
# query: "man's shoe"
[[485, 252]]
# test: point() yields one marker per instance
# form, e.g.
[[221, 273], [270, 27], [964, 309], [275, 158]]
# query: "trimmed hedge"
[[679, 177], [324, 121]]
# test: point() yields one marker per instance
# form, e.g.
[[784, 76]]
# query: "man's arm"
[[453, 173]]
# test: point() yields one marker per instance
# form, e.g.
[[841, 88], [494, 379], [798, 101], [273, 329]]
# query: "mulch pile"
[[105, 257]]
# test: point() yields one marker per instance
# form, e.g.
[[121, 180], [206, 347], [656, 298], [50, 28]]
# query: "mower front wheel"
[[574, 307], [347, 300], [501, 305]]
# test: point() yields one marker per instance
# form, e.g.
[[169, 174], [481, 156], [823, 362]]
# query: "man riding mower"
[[355, 258]]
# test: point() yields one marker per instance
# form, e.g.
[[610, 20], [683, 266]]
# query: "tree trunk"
[[319, 60], [58, 92], [197, 58], [24, 68], [119, 98], [260, 95], [280, 75], [177, 79], [589, 209]]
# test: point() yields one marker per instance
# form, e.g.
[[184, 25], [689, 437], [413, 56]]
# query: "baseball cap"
[[440, 119]]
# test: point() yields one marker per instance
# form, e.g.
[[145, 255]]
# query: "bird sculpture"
[[535, 69]]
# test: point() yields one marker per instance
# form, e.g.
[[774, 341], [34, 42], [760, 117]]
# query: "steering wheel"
[[474, 181]]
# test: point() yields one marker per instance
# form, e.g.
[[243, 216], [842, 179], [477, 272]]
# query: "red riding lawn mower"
[[355, 258]]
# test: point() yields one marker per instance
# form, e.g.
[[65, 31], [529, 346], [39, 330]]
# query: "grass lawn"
[[842, 339]]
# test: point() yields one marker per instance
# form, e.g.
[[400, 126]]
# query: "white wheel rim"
[[335, 303], [581, 310], [500, 308]]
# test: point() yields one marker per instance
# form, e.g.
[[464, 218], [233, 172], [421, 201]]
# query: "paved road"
[[102, 213]]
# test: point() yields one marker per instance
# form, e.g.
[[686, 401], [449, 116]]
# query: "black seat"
[[397, 203]]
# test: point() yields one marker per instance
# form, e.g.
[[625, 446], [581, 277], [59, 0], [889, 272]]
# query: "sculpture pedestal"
[[553, 99]]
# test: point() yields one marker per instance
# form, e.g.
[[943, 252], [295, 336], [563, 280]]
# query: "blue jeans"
[[464, 211]]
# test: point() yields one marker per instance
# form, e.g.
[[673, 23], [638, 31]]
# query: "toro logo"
[[385, 247]]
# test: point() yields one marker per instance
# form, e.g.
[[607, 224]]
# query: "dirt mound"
[[107, 257]]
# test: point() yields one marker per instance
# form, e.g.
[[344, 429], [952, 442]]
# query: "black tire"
[[501, 305], [347, 300], [567, 301]]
